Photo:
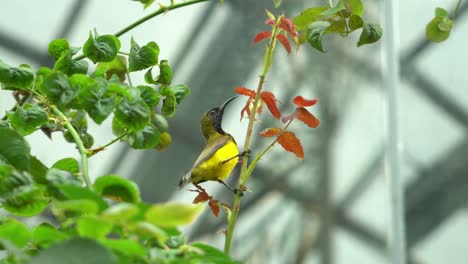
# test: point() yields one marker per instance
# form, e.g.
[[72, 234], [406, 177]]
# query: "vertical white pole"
[[396, 234]]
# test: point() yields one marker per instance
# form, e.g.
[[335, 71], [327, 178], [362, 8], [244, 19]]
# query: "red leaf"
[[214, 207], [288, 26], [300, 101], [245, 91], [306, 117], [261, 36], [270, 100], [201, 197], [246, 110], [269, 132], [270, 21], [291, 143], [285, 42]]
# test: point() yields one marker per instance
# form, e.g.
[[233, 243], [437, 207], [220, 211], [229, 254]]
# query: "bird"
[[220, 154]]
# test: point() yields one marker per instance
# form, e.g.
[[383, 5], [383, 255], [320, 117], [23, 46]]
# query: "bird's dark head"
[[211, 120]]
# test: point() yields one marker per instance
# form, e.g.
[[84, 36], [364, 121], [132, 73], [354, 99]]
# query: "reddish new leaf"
[[270, 21], [270, 100], [261, 36], [201, 197], [245, 91], [269, 132], [246, 109], [214, 207], [285, 42], [306, 117], [300, 101], [291, 143], [288, 26]]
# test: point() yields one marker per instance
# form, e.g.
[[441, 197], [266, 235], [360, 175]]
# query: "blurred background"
[[333, 207]]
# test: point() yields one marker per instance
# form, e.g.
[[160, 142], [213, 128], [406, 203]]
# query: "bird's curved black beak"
[[221, 108]]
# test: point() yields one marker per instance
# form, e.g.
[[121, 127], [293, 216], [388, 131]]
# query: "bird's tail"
[[186, 179]]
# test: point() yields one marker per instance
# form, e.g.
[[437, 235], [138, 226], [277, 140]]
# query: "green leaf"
[[38, 170], [56, 176], [211, 254], [75, 250], [331, 11], [133, 114], [125, 246], [94, 97], [440, 12], [355, 22], [120, 213], [149, 77], [149, 95], [160, 122], [45, 235], [149, 230], [309, 15], [337, 26], [73, 192], [356, 7], [25, 201], [74, 207], [117, 66], [69, 66], [28, 118], [16, 77], [142, 57], [58, 89], [315, 34], [438, 30], [14, 149], [180, 91], [145, 139], [92, 227], [172, 214], [370, 34], [165, 73], [101, 48], [16, 232], [67, 164], [117, 188], [57, 47], [169, 106], [10, 179]]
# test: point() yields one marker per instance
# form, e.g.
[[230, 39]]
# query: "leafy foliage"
[[107, 221]]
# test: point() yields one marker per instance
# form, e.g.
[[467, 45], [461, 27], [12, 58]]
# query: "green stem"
[[92, 152], [260, 155], [456, 9], [330, 2], [156, 13], [248, 139], [79, 143], [140, 21]]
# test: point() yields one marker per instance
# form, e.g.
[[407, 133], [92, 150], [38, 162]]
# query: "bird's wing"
[[208, 152]]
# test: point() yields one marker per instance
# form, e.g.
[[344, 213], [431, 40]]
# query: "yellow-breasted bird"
[[220, 154]]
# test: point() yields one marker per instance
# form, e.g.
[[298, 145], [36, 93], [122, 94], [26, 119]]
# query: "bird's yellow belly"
[[215, 168]]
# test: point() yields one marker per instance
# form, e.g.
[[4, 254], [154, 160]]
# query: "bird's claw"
[[245, 153], [239, 191]]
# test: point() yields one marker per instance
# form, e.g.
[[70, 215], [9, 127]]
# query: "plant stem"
[[92, 152], [248, 138], [456, 9], [79, 143], [156, 13], [330, 2], [260, 155], [140, 21]]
